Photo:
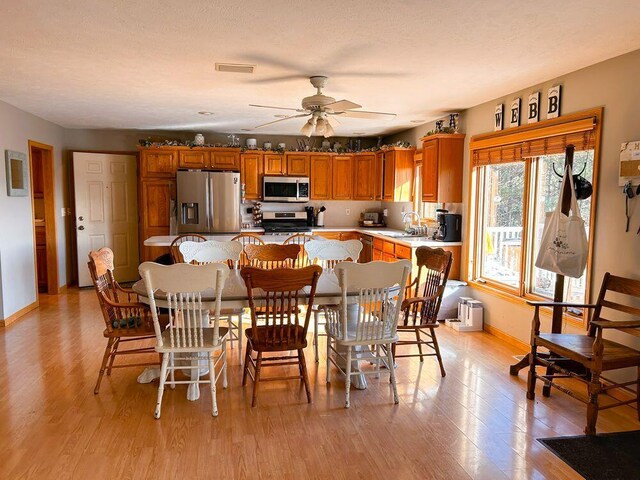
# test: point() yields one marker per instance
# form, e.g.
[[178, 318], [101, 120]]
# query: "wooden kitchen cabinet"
[[321, 177], [298, 164], [442, 158], [159, 163], [225, 159], [364, 171], [274, 164], [397, 174], [342, 177], [155, 202], [196, 159], [251, 175], [379, 175]]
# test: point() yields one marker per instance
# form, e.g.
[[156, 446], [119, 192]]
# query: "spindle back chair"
[[301, 239], [327, 254], [420, 308], [174, 248], [202, 253], [246, 239], [381, 287], [193, 331], [126, 319], [272, 256], [283, 330]]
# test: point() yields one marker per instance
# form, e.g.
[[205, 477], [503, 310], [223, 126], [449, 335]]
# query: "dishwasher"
[[366, 255]]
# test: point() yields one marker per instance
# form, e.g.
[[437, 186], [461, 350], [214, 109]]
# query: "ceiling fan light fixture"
[[307, 128], [329, 131], [321, 126]]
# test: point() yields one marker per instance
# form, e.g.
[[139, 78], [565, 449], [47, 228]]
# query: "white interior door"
[[106, 211]]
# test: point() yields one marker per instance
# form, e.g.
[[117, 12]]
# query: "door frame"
[[48, 177]]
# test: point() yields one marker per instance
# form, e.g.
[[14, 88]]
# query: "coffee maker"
[[449, 226]]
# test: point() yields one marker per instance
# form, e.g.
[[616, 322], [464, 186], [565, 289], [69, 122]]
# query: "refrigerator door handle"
[[207, 208]]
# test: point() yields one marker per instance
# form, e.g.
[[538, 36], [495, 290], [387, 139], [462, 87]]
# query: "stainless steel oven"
[[285, 189]]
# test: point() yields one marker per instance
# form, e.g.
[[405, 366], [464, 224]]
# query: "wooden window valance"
[[543, 138]]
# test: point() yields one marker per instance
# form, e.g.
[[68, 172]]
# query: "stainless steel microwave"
[[285, 189]]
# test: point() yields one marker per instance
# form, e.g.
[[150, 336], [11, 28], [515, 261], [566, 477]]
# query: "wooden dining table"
[[234, 295]]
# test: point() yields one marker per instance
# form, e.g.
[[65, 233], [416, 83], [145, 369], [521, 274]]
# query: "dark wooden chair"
[[174, 248], [246, 239], [593, 353], [271, 256], [420, 309], [126, 319], [282, 331]]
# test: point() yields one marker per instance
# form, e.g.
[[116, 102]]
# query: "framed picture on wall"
[[17, 173]]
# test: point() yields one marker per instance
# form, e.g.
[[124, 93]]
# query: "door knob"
[[81, 227], [81, 218]]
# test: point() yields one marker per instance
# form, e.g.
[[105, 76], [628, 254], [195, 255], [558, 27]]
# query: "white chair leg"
[[224, 365], [328, 361], [172, 370], [212, 377], [240, 338], [392, 374], [378, 360], [347, 382], [316, 315], [163, 378]]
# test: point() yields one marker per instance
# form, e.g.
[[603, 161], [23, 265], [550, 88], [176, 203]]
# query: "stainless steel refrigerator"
[[208, 202]]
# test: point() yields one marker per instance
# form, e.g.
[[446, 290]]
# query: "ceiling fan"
[[323, 110]]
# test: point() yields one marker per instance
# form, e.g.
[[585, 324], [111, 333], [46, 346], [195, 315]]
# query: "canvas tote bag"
[[564, 246]]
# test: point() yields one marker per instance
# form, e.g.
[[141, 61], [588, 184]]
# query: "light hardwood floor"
[[475, 423]]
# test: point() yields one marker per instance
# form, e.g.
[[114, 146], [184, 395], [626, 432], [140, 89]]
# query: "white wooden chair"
[[381, 288], [201, 253], [327, 254], [190, 332]]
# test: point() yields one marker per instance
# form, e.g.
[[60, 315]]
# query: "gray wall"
[[17, 266], [614, 85]]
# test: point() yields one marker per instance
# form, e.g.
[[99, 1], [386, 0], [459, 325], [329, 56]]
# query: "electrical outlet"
[[347, 211]]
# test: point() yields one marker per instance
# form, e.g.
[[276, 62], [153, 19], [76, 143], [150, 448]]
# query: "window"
[[426, 210], [513, 186]]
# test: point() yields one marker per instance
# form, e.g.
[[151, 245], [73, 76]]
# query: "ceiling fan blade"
[[342, 105], [281, 120], [367, 115], [278, 108], [281, 78]]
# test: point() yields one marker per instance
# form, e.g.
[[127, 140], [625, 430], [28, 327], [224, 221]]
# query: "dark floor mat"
[[610, 456]]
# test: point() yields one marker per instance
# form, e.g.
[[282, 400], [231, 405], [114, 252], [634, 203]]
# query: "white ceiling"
[[150, 64]]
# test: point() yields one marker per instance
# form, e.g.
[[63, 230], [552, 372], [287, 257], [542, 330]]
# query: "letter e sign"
[[553, 99], [514, 121]]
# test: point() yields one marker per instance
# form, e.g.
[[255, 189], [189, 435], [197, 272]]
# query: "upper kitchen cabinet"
[[298, 164], [378, 175], [225, 159], [397, 174], [275, 164], [442, 168], [251, 174], [155, 197], [159, 163], [364, 170], [320, 177], [342, 177], [196, 159]]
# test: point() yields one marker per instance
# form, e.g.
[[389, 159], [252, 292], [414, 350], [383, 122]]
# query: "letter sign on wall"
[[498, 119], [533, 113], [514, 120], [553, 102]]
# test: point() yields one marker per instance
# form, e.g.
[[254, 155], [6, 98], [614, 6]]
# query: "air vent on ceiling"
[[235, 67]]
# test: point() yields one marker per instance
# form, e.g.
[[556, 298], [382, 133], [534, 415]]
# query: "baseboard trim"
[[23, 311], [496, 332]]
